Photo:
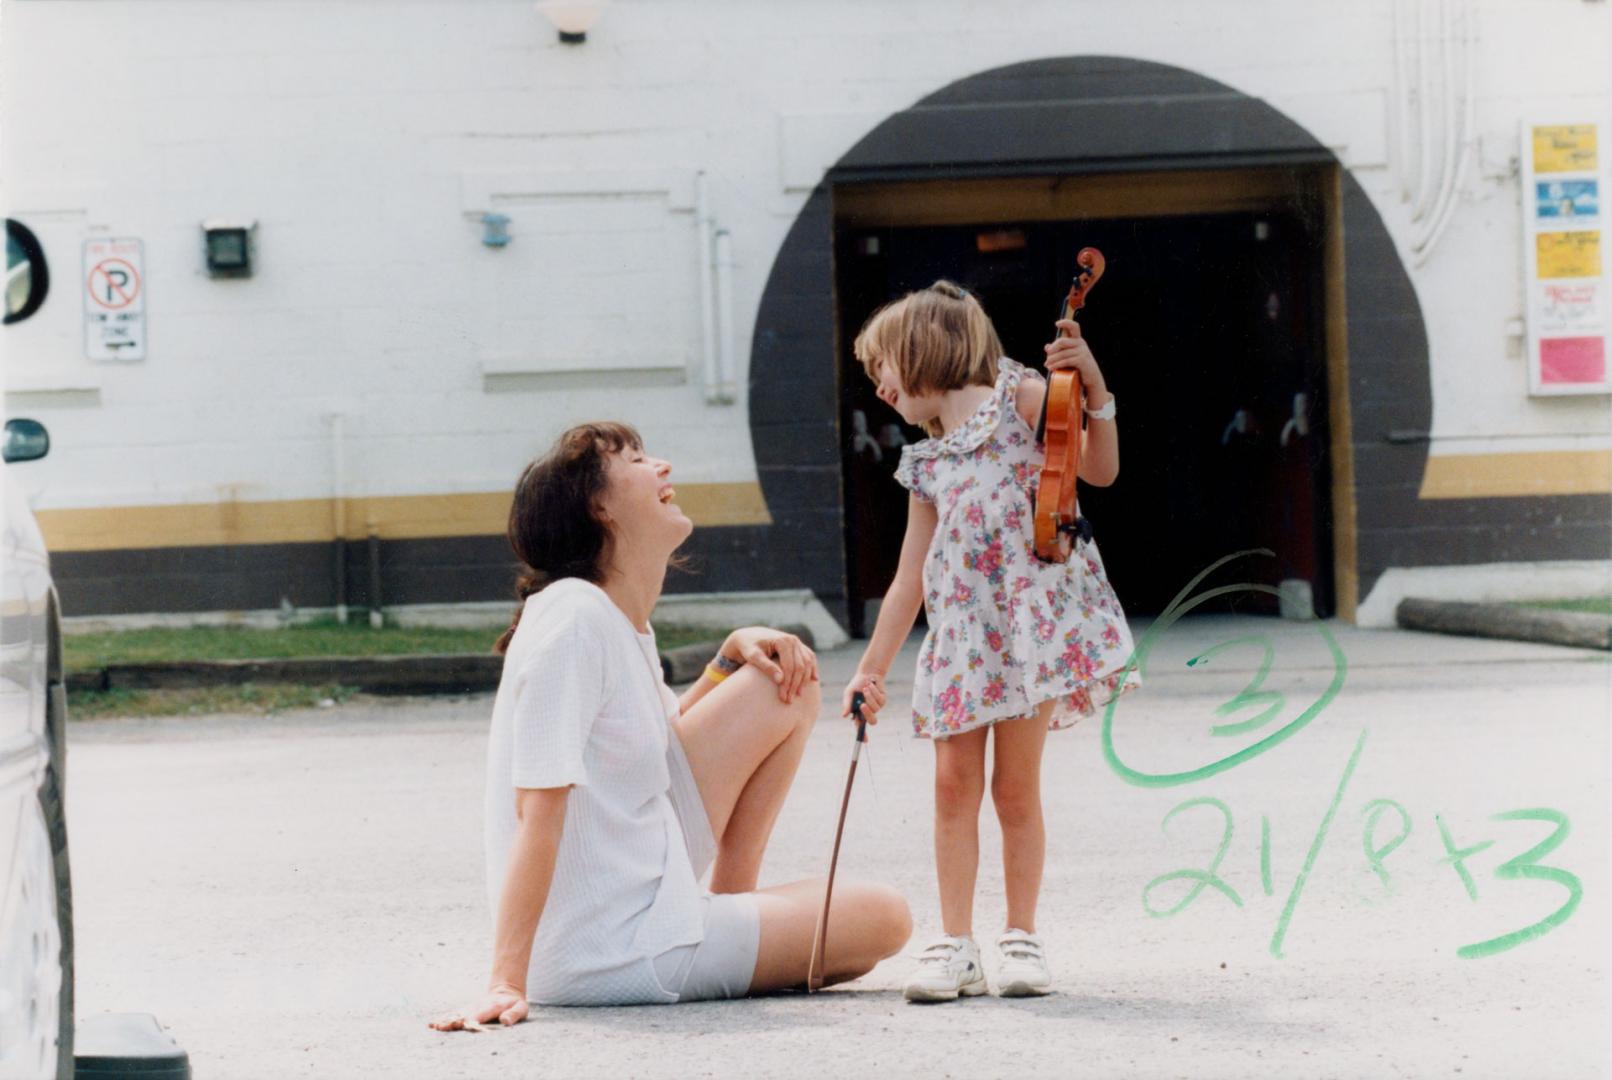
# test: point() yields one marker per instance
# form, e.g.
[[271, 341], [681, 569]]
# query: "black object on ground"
[[127, 1046]]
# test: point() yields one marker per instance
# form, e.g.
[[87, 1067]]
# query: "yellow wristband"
[[713, 674]]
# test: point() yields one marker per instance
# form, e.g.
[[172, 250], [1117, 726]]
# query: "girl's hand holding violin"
[[871, 687], [1070, 351]]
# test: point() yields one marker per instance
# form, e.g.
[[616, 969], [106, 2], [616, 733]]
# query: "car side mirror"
[[26, 440]]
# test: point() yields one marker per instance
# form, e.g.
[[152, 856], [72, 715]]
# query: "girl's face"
[[915, 410], [638, 502]]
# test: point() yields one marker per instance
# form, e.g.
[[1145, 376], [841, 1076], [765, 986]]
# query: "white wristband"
[[1104, 413]]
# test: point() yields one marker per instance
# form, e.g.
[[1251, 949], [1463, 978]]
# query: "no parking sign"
[[114, 300]]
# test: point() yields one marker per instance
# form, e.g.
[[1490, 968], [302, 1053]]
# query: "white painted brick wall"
[[362, 136]]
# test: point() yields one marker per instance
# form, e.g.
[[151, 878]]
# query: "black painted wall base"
[[442, 571]]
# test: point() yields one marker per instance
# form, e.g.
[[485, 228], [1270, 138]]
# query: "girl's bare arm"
[[1099, 447], [898, 612]]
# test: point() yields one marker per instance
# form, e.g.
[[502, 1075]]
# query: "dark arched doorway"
[[1147, 142]]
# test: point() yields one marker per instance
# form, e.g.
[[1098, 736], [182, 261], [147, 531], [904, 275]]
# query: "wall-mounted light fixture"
[[228, 246], [495, 229], [572, 18]]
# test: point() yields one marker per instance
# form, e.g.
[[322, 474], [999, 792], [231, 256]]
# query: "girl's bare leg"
[[1016, 792], [959, 789], [866, 923], [743, 746]]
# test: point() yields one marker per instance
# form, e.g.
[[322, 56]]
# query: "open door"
[[1210, 334]]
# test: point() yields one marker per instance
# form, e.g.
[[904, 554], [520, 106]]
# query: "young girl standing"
[[1015, 645]]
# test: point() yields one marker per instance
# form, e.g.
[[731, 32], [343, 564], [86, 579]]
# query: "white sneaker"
[[1023, 970], [949, 967]]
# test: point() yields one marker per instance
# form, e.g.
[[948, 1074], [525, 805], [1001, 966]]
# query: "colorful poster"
[[1574, 361], [1568, 305], [1569, 254], [1565, 148], [1567, 201], [1567, 279]]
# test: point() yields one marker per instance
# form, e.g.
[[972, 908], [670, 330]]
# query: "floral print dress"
[[1007, 631]]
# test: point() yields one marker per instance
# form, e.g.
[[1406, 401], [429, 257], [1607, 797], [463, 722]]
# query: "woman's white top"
[[582, 703]]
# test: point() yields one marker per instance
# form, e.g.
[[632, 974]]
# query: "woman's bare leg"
[[743, 746], [866, 923], [959, 789], [1016, 792]]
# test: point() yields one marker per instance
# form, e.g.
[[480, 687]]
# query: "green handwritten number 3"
[[1199, 878], [1251, 694], [1526, 867]]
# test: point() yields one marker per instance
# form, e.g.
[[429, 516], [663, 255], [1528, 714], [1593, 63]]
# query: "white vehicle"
[[36, 918]]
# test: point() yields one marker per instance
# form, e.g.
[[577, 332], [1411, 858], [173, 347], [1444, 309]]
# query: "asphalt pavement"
[[1408, 880]]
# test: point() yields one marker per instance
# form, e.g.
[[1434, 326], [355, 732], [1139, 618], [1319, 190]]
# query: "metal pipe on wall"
[[338, 513], [709, 362], [1448, 114], [376, 618], [1464, 143], [725, 327], [1425, 181], [1407, 58]]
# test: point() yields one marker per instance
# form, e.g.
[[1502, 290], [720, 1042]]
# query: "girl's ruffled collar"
[[972, 433]]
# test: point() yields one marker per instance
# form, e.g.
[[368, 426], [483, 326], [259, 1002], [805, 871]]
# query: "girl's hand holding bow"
[[871, 686]]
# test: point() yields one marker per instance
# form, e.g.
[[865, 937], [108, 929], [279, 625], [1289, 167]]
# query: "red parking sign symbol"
[[114, 283]]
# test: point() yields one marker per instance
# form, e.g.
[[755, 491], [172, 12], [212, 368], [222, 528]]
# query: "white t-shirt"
[[582, 702]]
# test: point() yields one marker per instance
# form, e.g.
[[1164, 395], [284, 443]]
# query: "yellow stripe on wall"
[[1550, 472], [300, 521]]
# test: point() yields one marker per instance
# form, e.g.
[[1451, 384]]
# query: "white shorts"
[[723, 964]]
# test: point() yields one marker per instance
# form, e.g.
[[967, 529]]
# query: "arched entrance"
[[1251, 285]]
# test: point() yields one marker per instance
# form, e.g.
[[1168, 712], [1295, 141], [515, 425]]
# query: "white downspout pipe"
[[1426, 182], [1400, 113], [1448, 106], [709, 361], [1467, 126], [725, 327]]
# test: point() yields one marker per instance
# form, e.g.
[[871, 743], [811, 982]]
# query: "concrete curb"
[[432, 674], [1579, 629], [450, 673]]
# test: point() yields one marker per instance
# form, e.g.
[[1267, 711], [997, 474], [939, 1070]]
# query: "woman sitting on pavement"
[[608, 797]]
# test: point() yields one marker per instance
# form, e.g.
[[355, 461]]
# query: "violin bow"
[[820, 938]]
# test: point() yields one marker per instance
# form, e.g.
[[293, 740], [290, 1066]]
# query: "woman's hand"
[[503, 1003], [783, 658], [871, 686], [1072, 352]]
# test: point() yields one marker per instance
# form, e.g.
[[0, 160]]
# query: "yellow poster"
[[1569, 254], [1564, 148]]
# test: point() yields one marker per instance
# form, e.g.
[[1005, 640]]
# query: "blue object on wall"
[[497, 230]]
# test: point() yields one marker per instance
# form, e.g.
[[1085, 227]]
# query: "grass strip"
[[90, 652], [1595, 605], [245, 698]]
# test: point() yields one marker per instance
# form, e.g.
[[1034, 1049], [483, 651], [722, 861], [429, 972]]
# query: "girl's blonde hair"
[[936, 339]]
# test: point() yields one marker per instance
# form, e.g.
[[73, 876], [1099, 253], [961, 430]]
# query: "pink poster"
[[1572, 361]]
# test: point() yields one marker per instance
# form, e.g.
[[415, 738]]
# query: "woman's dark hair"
[[554, 523]]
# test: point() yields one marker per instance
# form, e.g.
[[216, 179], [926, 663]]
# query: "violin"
[[1056, 526]]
